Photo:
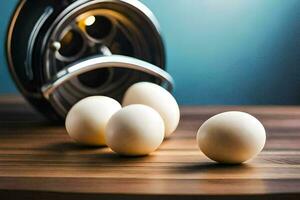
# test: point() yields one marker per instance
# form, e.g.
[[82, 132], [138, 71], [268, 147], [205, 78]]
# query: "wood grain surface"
[[39, 161]]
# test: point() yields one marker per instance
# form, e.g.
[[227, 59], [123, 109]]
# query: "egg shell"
[[135, 130], [231, 137], [87, 119], [158, 98]]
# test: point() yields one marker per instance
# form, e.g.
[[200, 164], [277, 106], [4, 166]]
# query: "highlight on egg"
[[87, 119], [135, 130], [231, 137], [159, 99]]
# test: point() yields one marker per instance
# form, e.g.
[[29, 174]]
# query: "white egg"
[[158, 98], [135, 130], [231, 137], [87, 119]]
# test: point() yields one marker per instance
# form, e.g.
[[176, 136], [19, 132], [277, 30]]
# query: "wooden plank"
[[39, 161]]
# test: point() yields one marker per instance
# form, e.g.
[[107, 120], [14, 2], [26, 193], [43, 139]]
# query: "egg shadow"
[[91, 154], [211, 167], [114, 158], [66, 147]]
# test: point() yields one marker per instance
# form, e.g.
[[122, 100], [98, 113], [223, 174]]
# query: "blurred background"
[[219, 51]]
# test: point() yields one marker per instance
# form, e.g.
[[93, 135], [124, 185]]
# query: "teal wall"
[[6, 8], [221, 51]]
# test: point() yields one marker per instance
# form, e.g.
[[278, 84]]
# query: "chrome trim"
[[93, 63], [36, 29], [146, 11], [10, 61]]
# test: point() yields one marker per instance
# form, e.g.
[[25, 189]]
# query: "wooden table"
[[39, 161]]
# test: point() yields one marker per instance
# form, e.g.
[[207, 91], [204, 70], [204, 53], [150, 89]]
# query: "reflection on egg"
[[135, 130], [87, 119], [158, 98], [231, 137]]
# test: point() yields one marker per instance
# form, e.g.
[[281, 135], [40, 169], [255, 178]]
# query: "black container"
[[62, 51]]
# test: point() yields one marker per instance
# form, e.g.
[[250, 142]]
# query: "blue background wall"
[[221, 51]]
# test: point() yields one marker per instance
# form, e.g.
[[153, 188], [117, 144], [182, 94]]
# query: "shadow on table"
[[212, 167], [90, 154]]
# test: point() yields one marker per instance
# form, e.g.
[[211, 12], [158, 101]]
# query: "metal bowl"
[[45, 38]]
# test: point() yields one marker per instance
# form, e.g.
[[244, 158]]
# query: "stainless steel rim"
[[103, 62]]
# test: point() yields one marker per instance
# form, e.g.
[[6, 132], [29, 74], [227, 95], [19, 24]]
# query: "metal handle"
[[118, 61]]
